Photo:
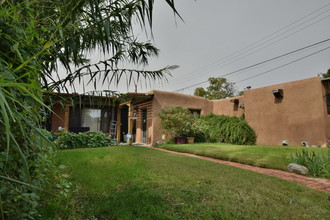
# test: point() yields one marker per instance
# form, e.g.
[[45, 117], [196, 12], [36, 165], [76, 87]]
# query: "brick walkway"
[[315, 183]]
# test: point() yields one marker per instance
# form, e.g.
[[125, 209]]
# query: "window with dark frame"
[[328, 103], [195, 111], [90, 119]]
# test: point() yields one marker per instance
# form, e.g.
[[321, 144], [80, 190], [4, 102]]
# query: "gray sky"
[[216, 29]]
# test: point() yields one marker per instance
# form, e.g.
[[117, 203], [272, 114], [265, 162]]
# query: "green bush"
[[200, 137], [90, 139], [221, 128], [177, 121], [18, 199], [317, 163]]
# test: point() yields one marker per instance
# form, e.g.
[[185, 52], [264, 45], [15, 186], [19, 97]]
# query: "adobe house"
[[293, 112]]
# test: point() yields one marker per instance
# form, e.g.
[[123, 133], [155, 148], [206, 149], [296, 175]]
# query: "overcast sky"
[[218, 37]]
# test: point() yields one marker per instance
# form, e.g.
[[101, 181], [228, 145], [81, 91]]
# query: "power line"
[[294, 61], [278, 57], [191, 86], [269, 60], [243, 56], [262, 62], [241, 53]]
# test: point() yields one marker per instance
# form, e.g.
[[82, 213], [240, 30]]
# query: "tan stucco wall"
[[163, 99], [228, 107], [299, 116]]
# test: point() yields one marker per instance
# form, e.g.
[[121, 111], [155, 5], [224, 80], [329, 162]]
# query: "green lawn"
[[276, 157], [126, 182]]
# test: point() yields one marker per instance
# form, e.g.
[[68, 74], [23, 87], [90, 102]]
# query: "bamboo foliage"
[[34, 36], [107, 25], [37, 33]]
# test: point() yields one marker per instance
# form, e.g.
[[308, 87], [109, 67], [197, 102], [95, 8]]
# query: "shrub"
[[317, 163], [221, 128], [200, 137], [90, 139], [18, 199], [177, 121]]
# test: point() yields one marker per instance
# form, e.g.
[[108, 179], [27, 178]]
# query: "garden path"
[[315, 183]]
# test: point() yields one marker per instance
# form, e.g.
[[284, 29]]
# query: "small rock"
[[325, 145], [304, 143], [157, 143], [296, 168]]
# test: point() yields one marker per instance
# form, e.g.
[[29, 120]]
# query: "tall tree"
[[219, 88], [327, 74]]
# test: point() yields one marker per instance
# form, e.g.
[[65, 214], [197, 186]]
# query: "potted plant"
[[191, 136]]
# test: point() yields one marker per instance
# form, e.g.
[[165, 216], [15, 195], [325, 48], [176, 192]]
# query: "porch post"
[[130, 122], [66, 116], [118, 123]]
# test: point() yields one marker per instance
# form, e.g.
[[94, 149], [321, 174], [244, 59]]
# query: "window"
[[195, 111], [144, 125], [91, 118], [328, 103]]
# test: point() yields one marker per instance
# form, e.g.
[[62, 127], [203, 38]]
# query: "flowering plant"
[[177, 121], [194, 129]]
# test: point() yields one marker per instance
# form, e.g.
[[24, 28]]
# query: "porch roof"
[[76, 98], [131, 97], [135, 98]]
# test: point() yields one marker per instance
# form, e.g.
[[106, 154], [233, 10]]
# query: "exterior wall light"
[[285, 143], [304, 143], [278, 93], [134, 117]]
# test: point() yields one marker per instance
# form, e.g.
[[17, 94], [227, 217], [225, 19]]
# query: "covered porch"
[[135, 118], [126, 118]]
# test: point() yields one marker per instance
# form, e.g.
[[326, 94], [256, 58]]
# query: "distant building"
[[293, 112]]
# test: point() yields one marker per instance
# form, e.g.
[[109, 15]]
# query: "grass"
[[276, 157], [126, 182]]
